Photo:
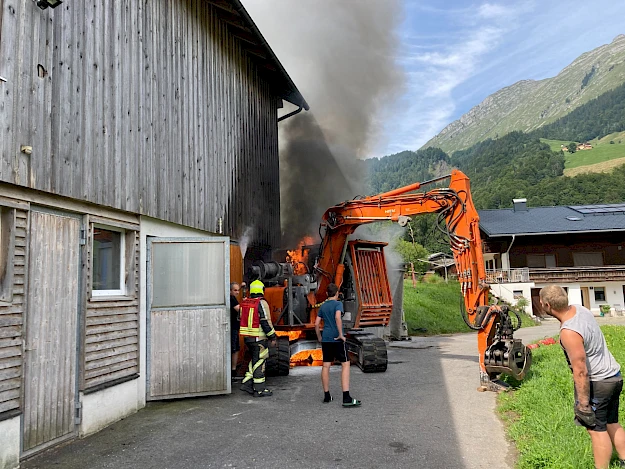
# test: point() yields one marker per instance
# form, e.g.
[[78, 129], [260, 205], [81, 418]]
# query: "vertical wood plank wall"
[[148, 107], [12, 324], [50, 346]]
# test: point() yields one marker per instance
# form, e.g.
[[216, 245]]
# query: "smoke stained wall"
[[340, 55]]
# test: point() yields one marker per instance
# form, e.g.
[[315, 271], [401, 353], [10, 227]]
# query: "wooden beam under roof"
[[249, 38], [234, 20], [222, 4]]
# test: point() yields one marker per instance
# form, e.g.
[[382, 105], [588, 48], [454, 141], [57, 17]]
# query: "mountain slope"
[[529, 104]]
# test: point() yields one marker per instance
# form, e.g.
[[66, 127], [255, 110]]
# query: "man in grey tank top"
[[596, 374]]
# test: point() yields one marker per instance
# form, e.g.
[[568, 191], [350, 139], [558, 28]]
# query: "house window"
[[7, 247], [599, 294], [541, 260], [517, 294], [108, 261], [586, 259]]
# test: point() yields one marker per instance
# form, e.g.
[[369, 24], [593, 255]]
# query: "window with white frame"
[[108, 261], [599, 293]]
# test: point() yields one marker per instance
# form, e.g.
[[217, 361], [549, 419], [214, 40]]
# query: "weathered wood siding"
[[149, 107], [11, 323], [50, 345], [112, 325], [187, 352]]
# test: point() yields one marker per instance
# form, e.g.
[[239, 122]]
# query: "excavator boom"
[[459, 220]]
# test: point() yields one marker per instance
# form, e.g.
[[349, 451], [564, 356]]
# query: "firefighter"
[[256, 329]]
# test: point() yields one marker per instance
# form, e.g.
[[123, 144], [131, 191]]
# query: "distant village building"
[[580, 146]]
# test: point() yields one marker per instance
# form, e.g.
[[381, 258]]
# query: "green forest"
[[601, 116], [517, 165]]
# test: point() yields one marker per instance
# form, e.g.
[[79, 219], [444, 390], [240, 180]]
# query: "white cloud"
[[494, 11], [434, 75]]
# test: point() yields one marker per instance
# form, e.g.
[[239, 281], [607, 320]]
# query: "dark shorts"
[[604, 398], [234, 338], [334, 351]]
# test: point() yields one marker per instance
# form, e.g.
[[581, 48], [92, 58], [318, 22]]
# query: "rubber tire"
[[279, 361], [284, 356]]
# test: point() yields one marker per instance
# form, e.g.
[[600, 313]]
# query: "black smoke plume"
[[341, 56]]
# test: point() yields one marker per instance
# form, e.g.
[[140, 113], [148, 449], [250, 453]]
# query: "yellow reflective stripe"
[[250, 318], [249, 330]]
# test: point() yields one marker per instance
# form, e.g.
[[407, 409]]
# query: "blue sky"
[[457, 54], [453, 54]]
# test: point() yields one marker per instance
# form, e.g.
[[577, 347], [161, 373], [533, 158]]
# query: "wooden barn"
[[138, 140]]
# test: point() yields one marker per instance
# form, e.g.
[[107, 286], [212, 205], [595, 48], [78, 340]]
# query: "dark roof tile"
[[545, 220]]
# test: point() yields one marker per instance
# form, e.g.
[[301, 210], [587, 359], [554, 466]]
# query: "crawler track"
[[367, 351]]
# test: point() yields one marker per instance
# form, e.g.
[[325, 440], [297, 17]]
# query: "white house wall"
[[613, 294], [109, 405], [505, 291], [10, 443]]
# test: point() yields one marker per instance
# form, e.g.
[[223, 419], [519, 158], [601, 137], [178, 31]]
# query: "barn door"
[[188, 318], [50, 358]]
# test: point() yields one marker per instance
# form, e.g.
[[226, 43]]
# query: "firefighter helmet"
[[256, 287]]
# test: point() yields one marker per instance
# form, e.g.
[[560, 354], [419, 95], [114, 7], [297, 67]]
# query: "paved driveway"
[[424, 412]]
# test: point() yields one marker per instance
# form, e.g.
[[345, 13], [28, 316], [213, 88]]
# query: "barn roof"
[[241, 25]]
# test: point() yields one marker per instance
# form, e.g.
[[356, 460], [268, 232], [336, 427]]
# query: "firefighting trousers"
[[256, 368]]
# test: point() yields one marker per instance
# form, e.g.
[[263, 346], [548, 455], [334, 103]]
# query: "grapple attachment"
[[508, 356]]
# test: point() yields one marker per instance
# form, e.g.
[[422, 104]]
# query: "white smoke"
[[245, 240]]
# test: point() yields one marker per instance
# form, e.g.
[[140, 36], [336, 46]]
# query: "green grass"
[[555, 145], [539, 413], [434, 308], [602, 151]]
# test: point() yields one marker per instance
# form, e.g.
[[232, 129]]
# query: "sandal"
[[352, 403]]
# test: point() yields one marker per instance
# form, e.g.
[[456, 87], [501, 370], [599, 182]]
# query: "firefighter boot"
[[248, 387], [263, 393]]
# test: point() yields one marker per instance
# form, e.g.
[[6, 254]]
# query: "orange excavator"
[[359, 269]]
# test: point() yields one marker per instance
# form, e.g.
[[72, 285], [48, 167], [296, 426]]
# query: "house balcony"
[[508, 276], [615, 273], [609, 273]]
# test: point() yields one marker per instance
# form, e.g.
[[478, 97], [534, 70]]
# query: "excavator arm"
[[498, 351]]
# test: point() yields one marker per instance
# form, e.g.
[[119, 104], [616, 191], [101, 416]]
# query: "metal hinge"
[[78, 413], [83, 236]]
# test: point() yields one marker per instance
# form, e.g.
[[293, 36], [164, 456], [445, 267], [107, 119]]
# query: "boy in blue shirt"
[[333, 344]]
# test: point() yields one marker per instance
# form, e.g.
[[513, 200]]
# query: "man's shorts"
[[334, 351], [235, 345], [604, 399]]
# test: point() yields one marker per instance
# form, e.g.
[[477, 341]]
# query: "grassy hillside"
[[528, 105], [434, 308], [602, 151]]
